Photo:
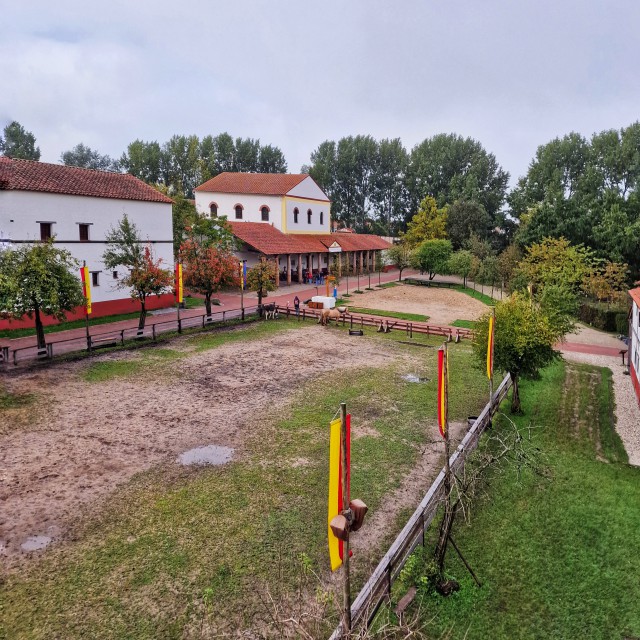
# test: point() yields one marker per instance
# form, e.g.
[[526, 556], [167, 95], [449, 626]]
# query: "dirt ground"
[[588, 335], [92, 437], [443, 306]]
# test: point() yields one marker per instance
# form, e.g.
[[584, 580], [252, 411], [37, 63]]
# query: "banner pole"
[[492, 338], [346, 498], [86, 308]]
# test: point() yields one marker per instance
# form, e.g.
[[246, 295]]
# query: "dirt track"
[[443, 306], [94, 436]]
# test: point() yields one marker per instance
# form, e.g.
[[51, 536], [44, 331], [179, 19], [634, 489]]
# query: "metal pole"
[[491, 377], [86, 316], [242, 289], [346, 499]]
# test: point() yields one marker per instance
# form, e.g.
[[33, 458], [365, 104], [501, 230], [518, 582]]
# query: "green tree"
[[558, 262], [262, 278], [86, 158], [432, 257], [271, 160], [524, 341], [428, 224], [461, 264], [465, 218], [489, 272], [17, 142], [450, 167], [508, 262], [401, 256], [143, 160], [37, 280], [146, 275], [389, 196]]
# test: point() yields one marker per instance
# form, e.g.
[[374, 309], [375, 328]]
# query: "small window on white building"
[[95, 279], [213, 210], [296, 213], [238, 212], [321, 217], [265, 214], [84, 232], [115, 275], [45, 231], [309, 216]]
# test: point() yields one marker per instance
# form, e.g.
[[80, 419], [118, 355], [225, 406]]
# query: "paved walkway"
[[230, 303]]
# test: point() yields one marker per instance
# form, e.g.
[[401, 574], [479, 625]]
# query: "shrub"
[[622, 324], [605, 319]]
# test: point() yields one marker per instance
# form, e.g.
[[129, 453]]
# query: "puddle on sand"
[[36, 543], [206, 455], [412, 377]]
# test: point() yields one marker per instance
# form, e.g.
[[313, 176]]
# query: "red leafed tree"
[[145, 279], [208, 269]]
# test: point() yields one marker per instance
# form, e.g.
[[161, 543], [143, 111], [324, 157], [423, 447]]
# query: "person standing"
[[296, 305]]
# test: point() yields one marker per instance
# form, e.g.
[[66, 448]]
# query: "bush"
[[605, 319], [622, 324]]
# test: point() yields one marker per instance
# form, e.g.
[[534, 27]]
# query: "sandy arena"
[[86, 438], [443, 306]]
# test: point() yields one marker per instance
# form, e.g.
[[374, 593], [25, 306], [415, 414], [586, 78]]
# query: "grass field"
[[185, 553], [557, 556], [478, 295], [464, 324]]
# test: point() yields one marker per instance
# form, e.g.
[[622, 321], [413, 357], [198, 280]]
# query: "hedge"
[[614, 320]]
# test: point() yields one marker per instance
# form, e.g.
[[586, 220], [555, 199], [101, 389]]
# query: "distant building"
[[285, 218], [78, 207], [634, 341]]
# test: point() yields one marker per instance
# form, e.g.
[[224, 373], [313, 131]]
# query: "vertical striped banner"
[[442, 391], [490, 348], [178, 286], [336, 547], [86, 287]]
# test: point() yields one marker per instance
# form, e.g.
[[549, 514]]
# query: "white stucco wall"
[[304, 205], [308, 189], [252, 206], [22, 211]]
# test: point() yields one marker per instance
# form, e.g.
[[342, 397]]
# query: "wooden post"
[[299, 268], [491, 376], [241, 290], [346, 499], [288, 269]]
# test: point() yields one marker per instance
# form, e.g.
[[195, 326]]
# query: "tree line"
[[585, 190]]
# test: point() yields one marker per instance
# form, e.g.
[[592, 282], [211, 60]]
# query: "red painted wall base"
[[635, 381], [98, 310]]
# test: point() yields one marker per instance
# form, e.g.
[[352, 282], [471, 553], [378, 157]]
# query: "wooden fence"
[[359, 321], [378, 587]]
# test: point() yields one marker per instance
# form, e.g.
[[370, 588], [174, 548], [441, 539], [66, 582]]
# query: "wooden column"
[[355, 262], [299, 268], [277, 259], [339, 265], [361, 259], [288, 269]]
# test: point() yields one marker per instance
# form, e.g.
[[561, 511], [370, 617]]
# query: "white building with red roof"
[[634, 341], [285, 218], [78, 207]]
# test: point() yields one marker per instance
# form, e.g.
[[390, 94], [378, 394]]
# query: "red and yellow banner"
[[490, 349], [443, 383], [178, 286], [86, 287], [336, 547]]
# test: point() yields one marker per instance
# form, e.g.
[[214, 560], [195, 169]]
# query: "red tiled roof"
[[271, 241], [28, 175], [270, 184], [635, 295]]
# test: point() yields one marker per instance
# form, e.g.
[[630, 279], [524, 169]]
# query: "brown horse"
[[327, 315]]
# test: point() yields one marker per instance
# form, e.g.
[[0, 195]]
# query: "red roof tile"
[[27, 175], [271, 241], [270, 184], [635, 294]]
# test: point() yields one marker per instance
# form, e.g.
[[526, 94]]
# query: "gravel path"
[[627, 409]]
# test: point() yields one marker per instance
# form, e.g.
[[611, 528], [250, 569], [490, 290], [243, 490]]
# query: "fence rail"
[[386, 324], [378, 587], [100, 339]]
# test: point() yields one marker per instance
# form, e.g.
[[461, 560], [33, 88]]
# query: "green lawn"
[[558, 557], [465, 324], [185, 553], [478, 295]]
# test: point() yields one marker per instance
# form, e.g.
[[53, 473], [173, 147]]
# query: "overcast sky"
[[512, 74]]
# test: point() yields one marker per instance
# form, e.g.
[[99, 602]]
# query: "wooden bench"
[[429, 283]]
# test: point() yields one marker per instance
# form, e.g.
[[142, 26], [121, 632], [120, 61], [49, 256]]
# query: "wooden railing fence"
[[378, 587]]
